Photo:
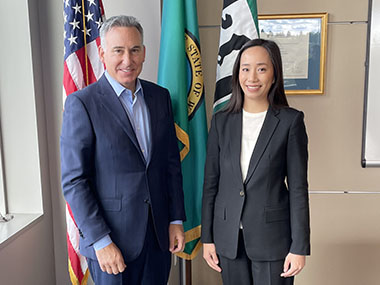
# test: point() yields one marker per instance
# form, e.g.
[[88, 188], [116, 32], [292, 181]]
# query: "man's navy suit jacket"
[[105, 179]]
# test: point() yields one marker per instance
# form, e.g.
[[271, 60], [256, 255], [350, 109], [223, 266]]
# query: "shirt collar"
[[118, 88]]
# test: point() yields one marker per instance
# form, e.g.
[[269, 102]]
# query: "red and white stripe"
[[74, 72], [78, 268], [81, 68], [74, 79]]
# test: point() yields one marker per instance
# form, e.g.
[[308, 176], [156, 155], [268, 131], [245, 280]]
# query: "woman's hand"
[[209, 254], [293, 264]]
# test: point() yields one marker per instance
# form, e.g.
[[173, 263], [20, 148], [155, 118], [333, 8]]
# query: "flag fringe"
[[193, 234], [190, 235], [74, 279], [183, 137], [193, 254]]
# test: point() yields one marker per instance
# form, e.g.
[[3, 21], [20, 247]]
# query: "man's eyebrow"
[[118, 47]]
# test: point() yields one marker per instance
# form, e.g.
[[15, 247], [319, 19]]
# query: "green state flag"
[[180, 71]]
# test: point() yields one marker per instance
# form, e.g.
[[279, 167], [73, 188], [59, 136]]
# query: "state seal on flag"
[[196, 87]]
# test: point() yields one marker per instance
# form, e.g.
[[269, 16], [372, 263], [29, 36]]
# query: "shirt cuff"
[[176, 222], [102, 243]]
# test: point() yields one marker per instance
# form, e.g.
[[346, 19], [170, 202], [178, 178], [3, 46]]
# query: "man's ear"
[[101, 54]]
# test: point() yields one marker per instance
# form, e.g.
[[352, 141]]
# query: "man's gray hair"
[[119, 21]]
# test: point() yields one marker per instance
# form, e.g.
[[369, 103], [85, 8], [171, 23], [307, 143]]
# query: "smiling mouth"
[[126, 69], [253, 88]]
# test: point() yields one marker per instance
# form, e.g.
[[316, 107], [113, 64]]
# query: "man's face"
[[123, 55]]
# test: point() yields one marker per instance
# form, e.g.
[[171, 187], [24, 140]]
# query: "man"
[[120, 163]]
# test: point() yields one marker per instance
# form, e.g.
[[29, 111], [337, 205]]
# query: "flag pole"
[[188, 272], [182, 272], [185, 272], [180, 71]]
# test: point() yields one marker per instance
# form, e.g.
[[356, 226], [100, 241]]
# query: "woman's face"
[[256, 75]]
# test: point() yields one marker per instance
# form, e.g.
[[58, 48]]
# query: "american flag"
[[82, 66]]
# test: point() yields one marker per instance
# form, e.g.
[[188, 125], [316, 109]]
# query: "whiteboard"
[[371, 122]]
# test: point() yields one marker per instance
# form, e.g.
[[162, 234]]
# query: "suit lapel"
[[235, 145], [112, 104], [267, 130]]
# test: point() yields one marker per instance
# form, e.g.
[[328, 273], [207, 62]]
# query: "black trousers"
[[152, 267], [244, 271]]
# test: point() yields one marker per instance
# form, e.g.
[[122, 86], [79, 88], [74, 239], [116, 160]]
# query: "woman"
[[255, 208]]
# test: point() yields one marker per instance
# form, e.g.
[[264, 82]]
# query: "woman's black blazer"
[[272, 203]]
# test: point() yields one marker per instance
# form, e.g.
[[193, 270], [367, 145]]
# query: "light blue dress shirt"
[[138, 115], [137, 112]]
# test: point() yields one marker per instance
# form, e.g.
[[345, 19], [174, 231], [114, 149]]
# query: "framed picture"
[[302, 41]]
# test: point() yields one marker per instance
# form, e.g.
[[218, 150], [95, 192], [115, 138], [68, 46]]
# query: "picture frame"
[[302, 39]]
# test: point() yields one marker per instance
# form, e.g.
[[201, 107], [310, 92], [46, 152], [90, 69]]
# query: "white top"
[[252, 124]]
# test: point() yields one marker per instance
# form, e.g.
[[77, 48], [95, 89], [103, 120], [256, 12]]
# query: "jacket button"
[[241, 193]]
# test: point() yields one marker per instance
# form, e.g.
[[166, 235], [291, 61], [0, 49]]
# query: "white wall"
[[28, 257], [18, 114]]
